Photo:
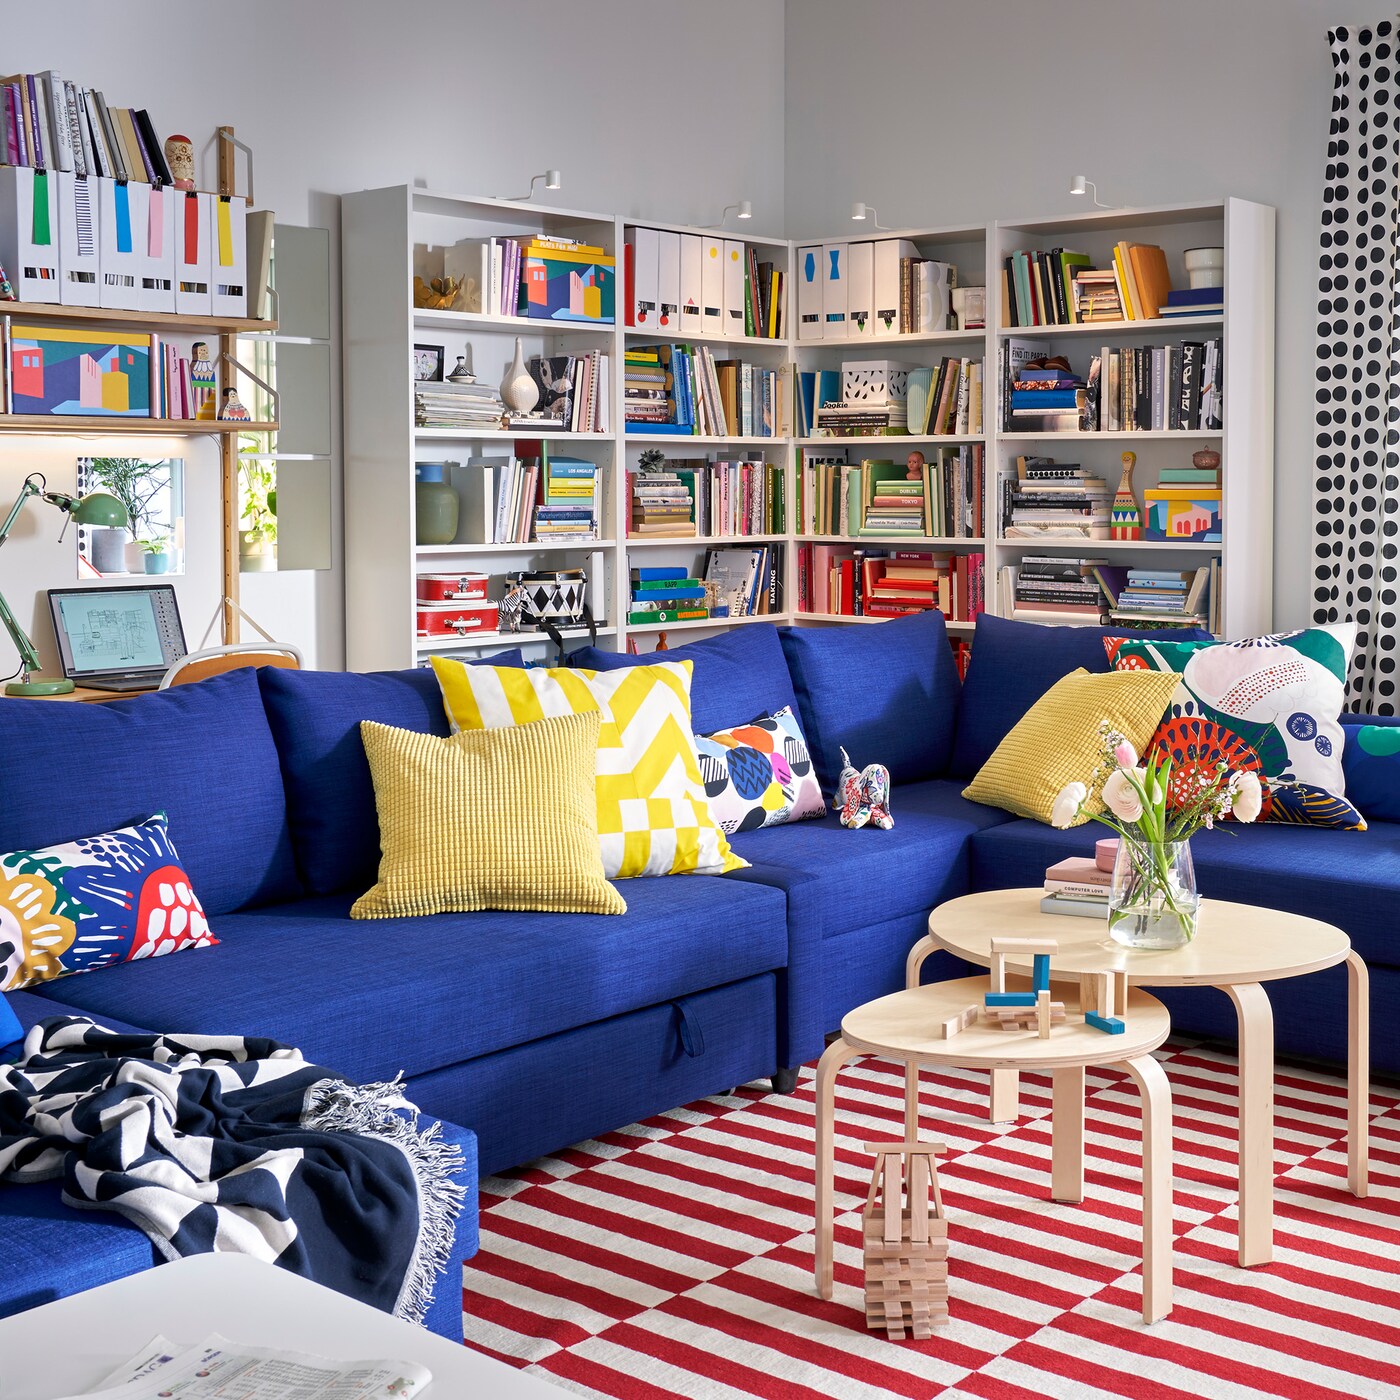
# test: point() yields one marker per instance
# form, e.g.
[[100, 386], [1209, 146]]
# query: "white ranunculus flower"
[[1120, 798], [1248, 797], [1067, 804]]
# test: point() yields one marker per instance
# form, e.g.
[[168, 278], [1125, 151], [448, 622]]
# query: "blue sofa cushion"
[[868, 876], [315, 718], [203, 754], [1347, 878], [887, 693], [1371, 768], [738, 676], [373, 997], [1013, 664]]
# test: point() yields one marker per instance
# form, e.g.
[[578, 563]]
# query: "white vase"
[[135, 558], [518, 388]]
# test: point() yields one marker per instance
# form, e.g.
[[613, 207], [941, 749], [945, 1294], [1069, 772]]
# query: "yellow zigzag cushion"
[[653, 815], [500, 820], [1057, 740]]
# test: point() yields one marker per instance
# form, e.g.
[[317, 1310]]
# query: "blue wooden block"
[[1110, 1025], [1041, 973], [1009, 999]]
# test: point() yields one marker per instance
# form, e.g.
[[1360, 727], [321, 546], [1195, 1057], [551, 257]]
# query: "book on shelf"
[[683, 390], [447, 405], [1054, 588], [744, 582], [574, 391], [527, 497], [664, 286], [694, 496], [541, 277], [858, 582], [666, 595], [1059, 287], [938, 400], [878, 497], [1163, 597], [1060, 500]]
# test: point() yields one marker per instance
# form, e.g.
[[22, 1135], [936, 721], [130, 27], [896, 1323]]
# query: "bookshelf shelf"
[[128, 427], [951, 625], [426, 647], [699, 541], [697, 623], [381, 326], [136, 320], [425, 319], [463, 551], [1110, 330]]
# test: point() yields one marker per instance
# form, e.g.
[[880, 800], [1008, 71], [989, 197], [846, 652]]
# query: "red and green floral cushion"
[[93, 902], [1266, 705]]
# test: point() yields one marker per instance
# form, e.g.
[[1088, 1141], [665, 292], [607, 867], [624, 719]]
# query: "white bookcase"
[[390, 234]]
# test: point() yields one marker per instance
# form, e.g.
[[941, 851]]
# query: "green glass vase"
[[436, 505]]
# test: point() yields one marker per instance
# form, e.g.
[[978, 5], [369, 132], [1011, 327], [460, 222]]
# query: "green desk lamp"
[[96, 508]]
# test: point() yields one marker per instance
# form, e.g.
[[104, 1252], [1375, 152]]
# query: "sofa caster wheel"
[[785, 1081]]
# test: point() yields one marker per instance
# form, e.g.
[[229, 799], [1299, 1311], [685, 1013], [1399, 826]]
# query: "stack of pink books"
[[1077, 885]]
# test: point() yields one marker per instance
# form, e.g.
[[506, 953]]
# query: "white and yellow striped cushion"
[[653, 815]]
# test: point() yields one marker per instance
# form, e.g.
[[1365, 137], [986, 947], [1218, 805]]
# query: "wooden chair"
[[214, 661]]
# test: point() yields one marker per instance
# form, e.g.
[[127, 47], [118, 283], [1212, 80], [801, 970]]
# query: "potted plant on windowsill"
[[157, 557], [257, 529]]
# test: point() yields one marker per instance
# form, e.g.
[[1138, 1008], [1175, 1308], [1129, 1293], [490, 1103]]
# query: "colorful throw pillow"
[[760, 774], [487, 819], [1371, 762], [1266, 705], [653, 815], [1057, 741], [93, 902]]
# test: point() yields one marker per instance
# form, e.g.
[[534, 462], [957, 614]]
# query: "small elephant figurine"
[[863, 798]]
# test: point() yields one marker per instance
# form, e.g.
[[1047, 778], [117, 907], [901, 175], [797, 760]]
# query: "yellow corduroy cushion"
[[653, 815], [499, 819], [1057, 741]]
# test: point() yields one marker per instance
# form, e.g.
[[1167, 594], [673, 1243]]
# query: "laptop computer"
[[117, 639]]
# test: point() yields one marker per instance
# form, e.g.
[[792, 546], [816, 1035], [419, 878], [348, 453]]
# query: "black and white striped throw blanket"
[[214, 1143]]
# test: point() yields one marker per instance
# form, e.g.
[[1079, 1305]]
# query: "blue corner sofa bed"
[[523, 1033]]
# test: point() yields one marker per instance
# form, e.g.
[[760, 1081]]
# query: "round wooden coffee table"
[[1237, 948], [904, 1026]]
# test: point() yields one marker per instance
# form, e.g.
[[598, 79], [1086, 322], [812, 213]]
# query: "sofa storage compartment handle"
[[688, 1026]]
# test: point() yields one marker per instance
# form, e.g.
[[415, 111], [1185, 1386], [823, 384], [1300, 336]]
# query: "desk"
[[69, 1345], [84, 694]]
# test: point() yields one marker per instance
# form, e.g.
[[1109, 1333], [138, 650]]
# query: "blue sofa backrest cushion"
[[885, 692], [738, 676], [202, 753], [1014, 663], [315, 718]]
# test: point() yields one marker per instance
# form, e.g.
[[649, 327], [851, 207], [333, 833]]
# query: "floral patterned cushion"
[[759, 774], [93, 902], [1267, 705]]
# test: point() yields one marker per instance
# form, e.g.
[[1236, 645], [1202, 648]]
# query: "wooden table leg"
[[918, 956], [1358, 1076], [1256, 1042], [1067, 1135], [836, 1055], [1005, 1105], [1156, 1186], [911, 1101]]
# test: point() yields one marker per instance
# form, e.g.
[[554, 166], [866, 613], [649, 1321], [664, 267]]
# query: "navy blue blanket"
[[224, 1143]]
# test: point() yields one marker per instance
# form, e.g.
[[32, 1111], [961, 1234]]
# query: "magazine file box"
[[155, 248], [121, 212], [194, 270], [29, 232], [78, 261], [229, 245]]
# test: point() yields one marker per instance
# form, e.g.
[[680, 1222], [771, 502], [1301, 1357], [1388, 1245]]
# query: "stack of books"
[[1096, 296], [1158, 597], [665, 594], [889, 583], [447, 405], [662, 505], [1194, 301], [685, 391], [1077, 886], [648, 390], [568, 508], [1053, 588], [869, 419], [893, 506], [1058, 500], [877, 497], [927, 401], [1060, 288]]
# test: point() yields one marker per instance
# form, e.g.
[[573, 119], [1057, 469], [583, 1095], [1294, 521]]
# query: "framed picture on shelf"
[[427, 363]]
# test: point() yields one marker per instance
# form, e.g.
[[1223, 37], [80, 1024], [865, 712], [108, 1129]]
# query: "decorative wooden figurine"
[[906, 1241], [204, 383], [233, 408], [1024, 1011], [1125, 516], [179, 156]]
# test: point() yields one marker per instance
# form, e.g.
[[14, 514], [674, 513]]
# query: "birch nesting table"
[[1237, 948]]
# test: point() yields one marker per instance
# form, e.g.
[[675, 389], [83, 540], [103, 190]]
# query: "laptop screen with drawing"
[[131, 631]]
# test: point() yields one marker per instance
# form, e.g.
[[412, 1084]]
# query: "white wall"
[[649, 107], [962, 113]]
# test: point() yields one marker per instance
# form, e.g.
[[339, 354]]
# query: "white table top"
[[1234, 943], [905, 1024], [70, 1345]]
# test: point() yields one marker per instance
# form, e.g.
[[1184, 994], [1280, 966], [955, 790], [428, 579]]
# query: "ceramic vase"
[[436, 505], [109, 549], [157, 563], [1152, 900], [518, 388]]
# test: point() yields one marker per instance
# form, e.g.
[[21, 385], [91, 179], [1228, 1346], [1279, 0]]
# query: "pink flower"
[[1124, 755]]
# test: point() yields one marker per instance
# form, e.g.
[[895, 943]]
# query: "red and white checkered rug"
[[674, 1258]]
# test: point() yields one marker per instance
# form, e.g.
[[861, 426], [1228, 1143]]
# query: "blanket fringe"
[[382, 1111]]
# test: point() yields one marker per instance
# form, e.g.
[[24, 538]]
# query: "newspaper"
[[216, 1369]]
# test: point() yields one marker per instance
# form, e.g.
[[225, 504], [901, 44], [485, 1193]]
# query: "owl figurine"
[[863, 798]]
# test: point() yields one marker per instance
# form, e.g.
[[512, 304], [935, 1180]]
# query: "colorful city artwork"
[[566, 288], [80, 373]]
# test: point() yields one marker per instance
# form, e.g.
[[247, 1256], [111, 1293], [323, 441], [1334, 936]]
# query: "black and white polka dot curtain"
[[1356, 555]]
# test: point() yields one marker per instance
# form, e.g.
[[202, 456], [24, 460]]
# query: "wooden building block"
[[954, 1024], [1042, 1014], [1025, 947], [906, 1241]]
